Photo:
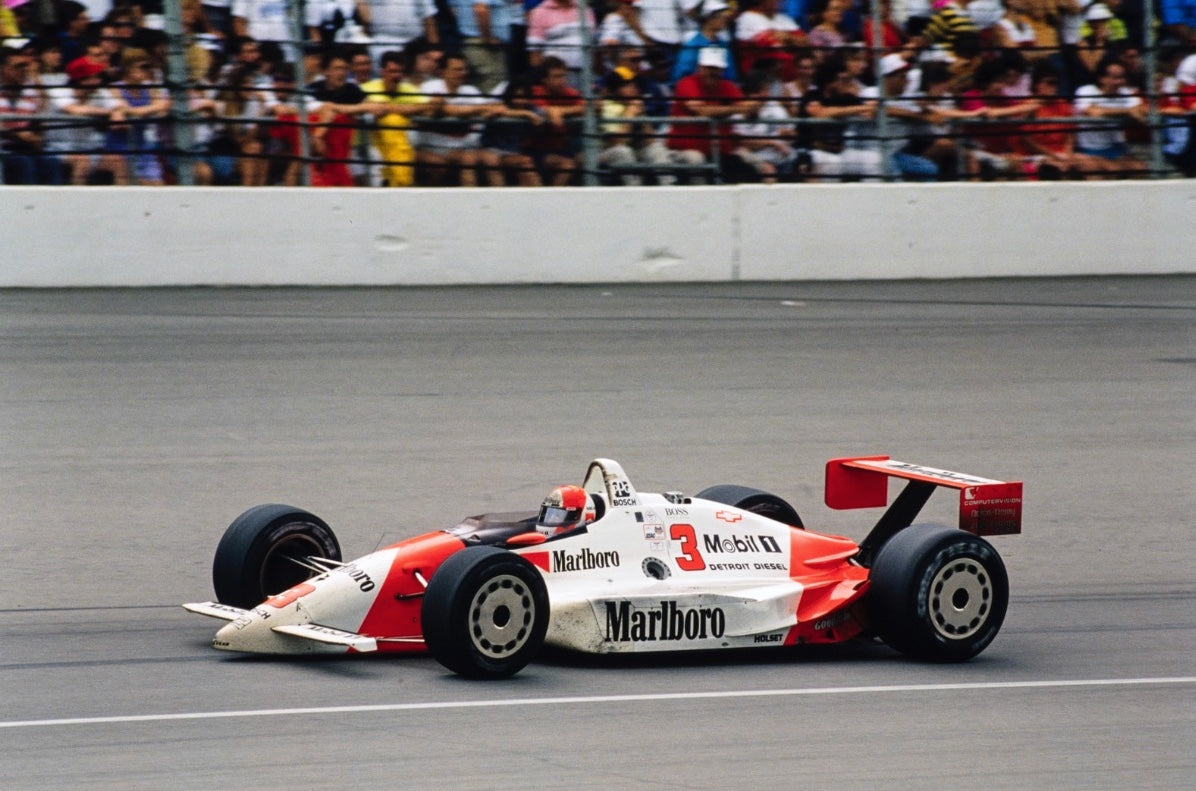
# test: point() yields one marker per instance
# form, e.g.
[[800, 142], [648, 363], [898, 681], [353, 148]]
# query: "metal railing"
[[969, 135]]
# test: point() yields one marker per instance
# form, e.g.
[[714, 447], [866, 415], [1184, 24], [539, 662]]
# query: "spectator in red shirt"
[[707, 94], [1050, 148], [893, 38], [997, 147], [339, 103], [551, 143]]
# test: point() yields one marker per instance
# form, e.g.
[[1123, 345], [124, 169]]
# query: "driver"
[[565, 508]]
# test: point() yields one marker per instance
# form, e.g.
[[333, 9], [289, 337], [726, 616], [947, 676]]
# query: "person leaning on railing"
[[82, 145], [931, 138], [338, 106], [902, 111], [1003, 88], [555, 143], [1048, 141], [138, 137], [835, 100], [626, 141], [395, 102], [454, 143], [238, 125], [709, 96], [505, 136], [23, 153], [215, 156], [765, 136], [1115, 105]]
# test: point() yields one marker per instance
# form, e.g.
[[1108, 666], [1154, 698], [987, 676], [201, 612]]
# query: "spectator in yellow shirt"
[[395, 102]]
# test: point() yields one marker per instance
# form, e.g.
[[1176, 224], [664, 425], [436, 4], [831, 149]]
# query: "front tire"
[[754, 501], [257, 555], [485, 613], [938, 594]]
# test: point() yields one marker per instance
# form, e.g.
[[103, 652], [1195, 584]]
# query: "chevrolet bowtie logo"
[[728, 516]]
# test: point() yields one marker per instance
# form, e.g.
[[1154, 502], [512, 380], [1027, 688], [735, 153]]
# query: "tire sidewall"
[[904, 570], [243, 550], [445, 613]]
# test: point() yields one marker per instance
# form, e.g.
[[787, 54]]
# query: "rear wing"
[[986, 507]]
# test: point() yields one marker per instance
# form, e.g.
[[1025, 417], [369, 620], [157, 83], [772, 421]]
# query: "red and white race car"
[[604, 568]]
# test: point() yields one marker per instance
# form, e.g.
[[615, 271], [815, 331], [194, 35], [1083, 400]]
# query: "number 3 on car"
[[690, 558]]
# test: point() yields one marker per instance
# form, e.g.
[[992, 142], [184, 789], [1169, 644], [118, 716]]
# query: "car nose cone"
[[250, 633], [254, 633]]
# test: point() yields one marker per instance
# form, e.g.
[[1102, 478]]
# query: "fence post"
[[178, 82], [299, 44], [589, 139], [882, 115], [1154, 118]]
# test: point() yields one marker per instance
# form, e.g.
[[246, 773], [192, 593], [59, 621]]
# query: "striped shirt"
[[946, 25]]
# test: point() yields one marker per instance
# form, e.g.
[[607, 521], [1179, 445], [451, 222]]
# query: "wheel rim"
[[501, 616], [961, 599], [281, 569]]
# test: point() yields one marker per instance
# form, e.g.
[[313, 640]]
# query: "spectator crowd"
[[496, 92]]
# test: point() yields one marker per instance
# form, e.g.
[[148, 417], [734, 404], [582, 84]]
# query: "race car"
[[604, 568]]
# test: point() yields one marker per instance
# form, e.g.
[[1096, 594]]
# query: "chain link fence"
[[185, 103]]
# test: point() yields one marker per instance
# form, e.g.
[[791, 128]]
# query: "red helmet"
[[565, 508]]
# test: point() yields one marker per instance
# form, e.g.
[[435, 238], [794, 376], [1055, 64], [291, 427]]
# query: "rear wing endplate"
[[986, 507]]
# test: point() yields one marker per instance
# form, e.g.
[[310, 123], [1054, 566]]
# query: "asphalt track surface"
[[136, 424]]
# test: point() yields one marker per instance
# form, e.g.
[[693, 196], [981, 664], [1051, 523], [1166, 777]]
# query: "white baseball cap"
[[1186, 73], [712, 56], [712, 7], [892, 63]]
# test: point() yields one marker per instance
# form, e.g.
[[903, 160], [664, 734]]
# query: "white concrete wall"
[[60, 237]]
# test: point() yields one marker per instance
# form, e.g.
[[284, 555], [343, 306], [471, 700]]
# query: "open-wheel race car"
[[604, 568]]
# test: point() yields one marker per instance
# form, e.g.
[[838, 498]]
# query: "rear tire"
[[485, 613], [754, 501], [256, 557], [938, 594]]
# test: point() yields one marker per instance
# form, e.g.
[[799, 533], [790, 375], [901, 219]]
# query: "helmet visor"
[[554, 516]]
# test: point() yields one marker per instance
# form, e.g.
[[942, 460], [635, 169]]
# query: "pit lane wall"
[[129, 236]]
